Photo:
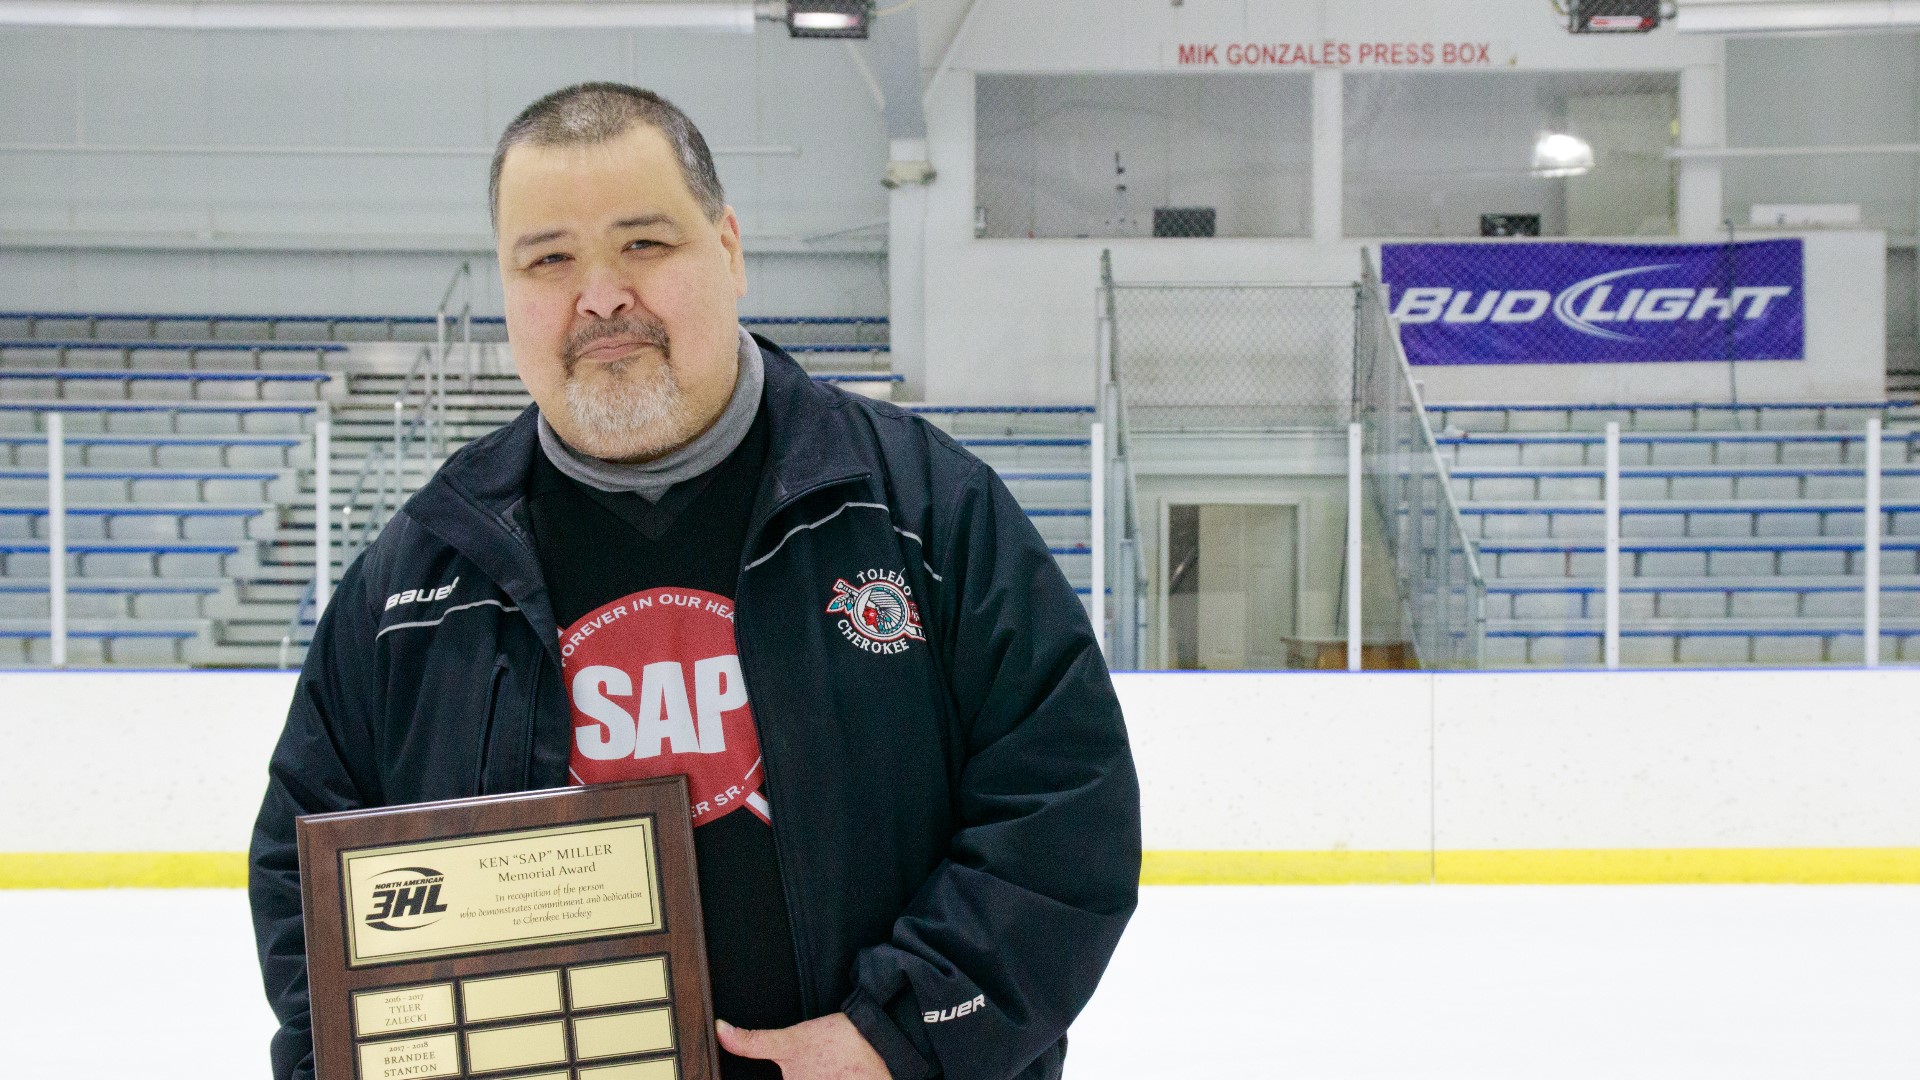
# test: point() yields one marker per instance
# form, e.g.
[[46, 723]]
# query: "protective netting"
[[1235, 357]]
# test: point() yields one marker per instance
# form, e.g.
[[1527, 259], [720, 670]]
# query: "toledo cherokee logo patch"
[[877, 615]]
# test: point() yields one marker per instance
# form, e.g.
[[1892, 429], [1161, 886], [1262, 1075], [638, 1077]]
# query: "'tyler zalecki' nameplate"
[[552, 935]]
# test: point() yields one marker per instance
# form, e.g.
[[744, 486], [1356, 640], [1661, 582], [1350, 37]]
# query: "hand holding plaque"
[[554, 935]]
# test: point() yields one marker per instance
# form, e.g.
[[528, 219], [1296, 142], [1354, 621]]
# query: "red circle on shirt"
[[654, 684]]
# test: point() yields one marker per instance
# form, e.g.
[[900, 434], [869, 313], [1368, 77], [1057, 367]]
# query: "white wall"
[[1516, 761], [168, 229], [1398, 762], [136, 761]]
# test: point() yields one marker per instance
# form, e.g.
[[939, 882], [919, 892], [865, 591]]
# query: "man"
[[916, 817]]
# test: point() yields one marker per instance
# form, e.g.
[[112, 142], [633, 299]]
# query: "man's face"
[[621, 296]]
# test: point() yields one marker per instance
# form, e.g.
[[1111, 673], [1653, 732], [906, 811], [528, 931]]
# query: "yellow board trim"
[[1628, 866], [123, 870], [1682, 866], [1633, 866], [1285, 867]]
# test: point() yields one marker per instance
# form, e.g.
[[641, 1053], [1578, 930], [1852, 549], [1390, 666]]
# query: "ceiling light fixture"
[[829, 18], [1560, 154]]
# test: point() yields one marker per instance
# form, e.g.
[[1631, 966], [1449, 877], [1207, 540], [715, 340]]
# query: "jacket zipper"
[[781, 842], [533, 724], [486, 730]]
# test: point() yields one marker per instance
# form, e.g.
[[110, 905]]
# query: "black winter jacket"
[[955, 821]]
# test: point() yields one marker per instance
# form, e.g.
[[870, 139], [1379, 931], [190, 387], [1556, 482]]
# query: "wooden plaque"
[[551, 935]]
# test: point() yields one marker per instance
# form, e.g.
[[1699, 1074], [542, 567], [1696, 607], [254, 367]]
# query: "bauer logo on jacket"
[[877, 614]]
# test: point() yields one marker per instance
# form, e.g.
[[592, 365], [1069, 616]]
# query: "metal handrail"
[[1125, 553], [1424, 571], [1431, 443], [386, 467]]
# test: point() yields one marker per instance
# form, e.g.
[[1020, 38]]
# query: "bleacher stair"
[[1741, 530]]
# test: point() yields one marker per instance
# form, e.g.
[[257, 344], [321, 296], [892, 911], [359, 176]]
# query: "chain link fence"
[[1234, 357]]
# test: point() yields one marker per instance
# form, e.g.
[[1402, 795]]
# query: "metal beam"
[[840, 242], [893, 53], [722, 15], [268, 150], [1822, 16], [1685, 152]]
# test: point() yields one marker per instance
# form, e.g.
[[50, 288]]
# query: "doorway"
[[1230, 576]]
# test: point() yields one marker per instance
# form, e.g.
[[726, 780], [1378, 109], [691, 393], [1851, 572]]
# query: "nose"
[[605, 295]]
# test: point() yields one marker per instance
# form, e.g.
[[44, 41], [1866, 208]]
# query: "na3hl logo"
[[406, 899], [878, 615]]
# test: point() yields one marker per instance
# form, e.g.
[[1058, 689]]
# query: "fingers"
[[742, 1042]]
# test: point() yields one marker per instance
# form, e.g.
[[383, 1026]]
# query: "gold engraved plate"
[[629, 982], [504, 890], [517, 1047], [407, 1059], [613, 1034], [507, 996], [660, 1069], [381, 1012]]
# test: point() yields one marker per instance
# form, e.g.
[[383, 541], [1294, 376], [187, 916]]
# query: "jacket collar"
[[809, 439], [476, 503]]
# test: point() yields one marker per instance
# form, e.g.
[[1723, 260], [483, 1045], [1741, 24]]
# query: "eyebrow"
[[643, 221], [538, 238], [640, 222]]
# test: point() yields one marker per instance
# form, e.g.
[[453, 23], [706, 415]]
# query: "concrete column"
[[1329, 150], [1700, 207], [907, 274]]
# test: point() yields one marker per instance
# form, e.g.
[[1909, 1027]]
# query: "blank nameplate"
[[430, 1055], [517, 1047], [532, 994], [659, 1069], [379, 1012], [627, 983], [645, 1031]]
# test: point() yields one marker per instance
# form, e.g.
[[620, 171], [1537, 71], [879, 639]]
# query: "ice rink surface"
[[1627, 983]]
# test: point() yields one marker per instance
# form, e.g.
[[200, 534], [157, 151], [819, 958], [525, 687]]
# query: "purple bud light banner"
[[1585, 303]]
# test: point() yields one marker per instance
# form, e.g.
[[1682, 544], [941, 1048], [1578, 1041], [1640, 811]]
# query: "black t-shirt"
[[644, 595]]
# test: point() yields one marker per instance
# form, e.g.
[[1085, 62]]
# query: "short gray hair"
[[594, 112]]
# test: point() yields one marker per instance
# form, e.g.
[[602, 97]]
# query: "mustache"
[[644, 331]]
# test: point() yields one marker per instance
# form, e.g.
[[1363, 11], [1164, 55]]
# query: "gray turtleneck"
[[651, 479]]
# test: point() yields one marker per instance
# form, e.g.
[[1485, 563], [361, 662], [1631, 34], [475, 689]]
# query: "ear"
[[736, 256]]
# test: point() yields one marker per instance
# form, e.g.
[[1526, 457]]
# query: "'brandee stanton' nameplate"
[[454, 897]]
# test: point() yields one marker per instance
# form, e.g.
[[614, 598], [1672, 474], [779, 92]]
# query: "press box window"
[[1175, 156], [1473, 153]]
